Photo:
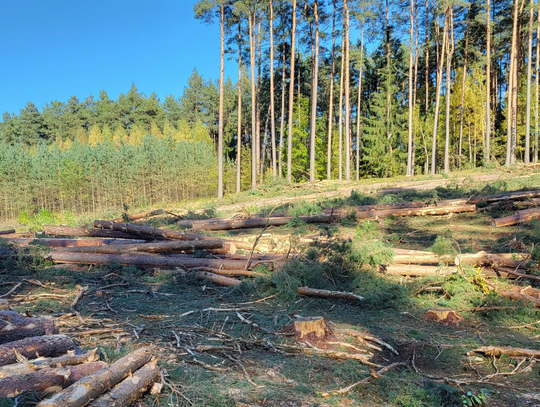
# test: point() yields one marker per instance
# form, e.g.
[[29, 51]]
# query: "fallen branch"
[[506, 350], [314, 292]]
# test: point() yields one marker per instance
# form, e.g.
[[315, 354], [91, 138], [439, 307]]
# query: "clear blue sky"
[[58, 48]]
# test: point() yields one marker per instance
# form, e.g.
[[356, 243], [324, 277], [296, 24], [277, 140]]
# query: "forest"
[[323, 90]]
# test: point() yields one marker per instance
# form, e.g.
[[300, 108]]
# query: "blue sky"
[[57, 48]]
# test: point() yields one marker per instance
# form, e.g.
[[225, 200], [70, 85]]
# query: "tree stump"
[[445, 316], [310, 327]]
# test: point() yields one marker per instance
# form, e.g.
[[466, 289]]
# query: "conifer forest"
[[322, 89]]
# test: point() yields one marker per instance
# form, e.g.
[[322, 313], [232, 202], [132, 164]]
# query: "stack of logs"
[[34, 357]]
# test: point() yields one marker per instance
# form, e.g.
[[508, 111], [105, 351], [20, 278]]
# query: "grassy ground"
[[250, 368]]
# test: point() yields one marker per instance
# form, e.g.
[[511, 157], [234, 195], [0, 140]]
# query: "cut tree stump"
[[444, 316], [310, 327], [129, 390], [341, 295], [48, 380], [31, 348], [519, 217], [30, 366], [83, 391], [14, 326]]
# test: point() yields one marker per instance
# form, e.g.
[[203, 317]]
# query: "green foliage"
[[443, 246], [367, 249], [479, 399]]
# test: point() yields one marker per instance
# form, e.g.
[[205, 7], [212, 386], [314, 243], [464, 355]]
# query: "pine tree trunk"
[[463, 84], [239, 129], [253, 101], [272, 96], [282, 124], [450, 52], [487, 151], [260, 162], [313, 124], [427, 62], [511, 141], [411, 60], [537, 87], [291, 96], [359, 102], [221, 89], [341, 81], [331, 104], [527, 157], [440, 64], [347, 94]]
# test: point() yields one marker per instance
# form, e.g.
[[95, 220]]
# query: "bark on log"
[[14, 326], [421, 258], [146, 231], [129, 390], [486, 259], [415, 270], [142, 215], [230, 273], [85, 232], [505, 196], [24, 242], [7, 232], [395, 206], [48, 381], [213, 224], [31, 348], [519, 217], [424, 211], [83, 391], [514, 295], [506, 350], [146, 260], [214, 278], [313, 292], [153, 247], [29, 366]]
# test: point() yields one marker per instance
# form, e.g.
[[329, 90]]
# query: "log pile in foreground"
[[47, 364]]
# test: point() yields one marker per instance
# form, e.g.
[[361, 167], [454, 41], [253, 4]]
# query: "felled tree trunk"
[[47, 381], [83, 391], [507, 196], [424, 211], [142, 215], [519, 217], [506, 350], [227, 224], [7, 232], [85, 232], [146, 231], [487, 259], [24, 242], [13, 326], [145, 260], [129, 390], [31, 348], [30, 366], [415, 270], [223, 281], [399, 206], [153, 247], [313, 292]]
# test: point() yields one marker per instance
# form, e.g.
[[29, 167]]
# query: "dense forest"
[[324, 89]]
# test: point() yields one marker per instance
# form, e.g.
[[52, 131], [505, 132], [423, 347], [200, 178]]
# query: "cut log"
[[310, 327], [505, 196], [7, 232], [24, 242], [83, 391], [415, 270], [342, 295], [153, 247], [214, 278], [419, 257], [146, 231], [519, 217], [487, 259], [49, 380], [146, 260], [142, 215], [29, 366], [14, 326], [424, 211], [395, 206], [85, 232], [129, 390], [227, 224], [506, 350], [31, 348], [230, 273], [518, 296]]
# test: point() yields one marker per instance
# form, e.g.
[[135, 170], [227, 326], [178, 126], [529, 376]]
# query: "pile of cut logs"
[[34, 357]]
